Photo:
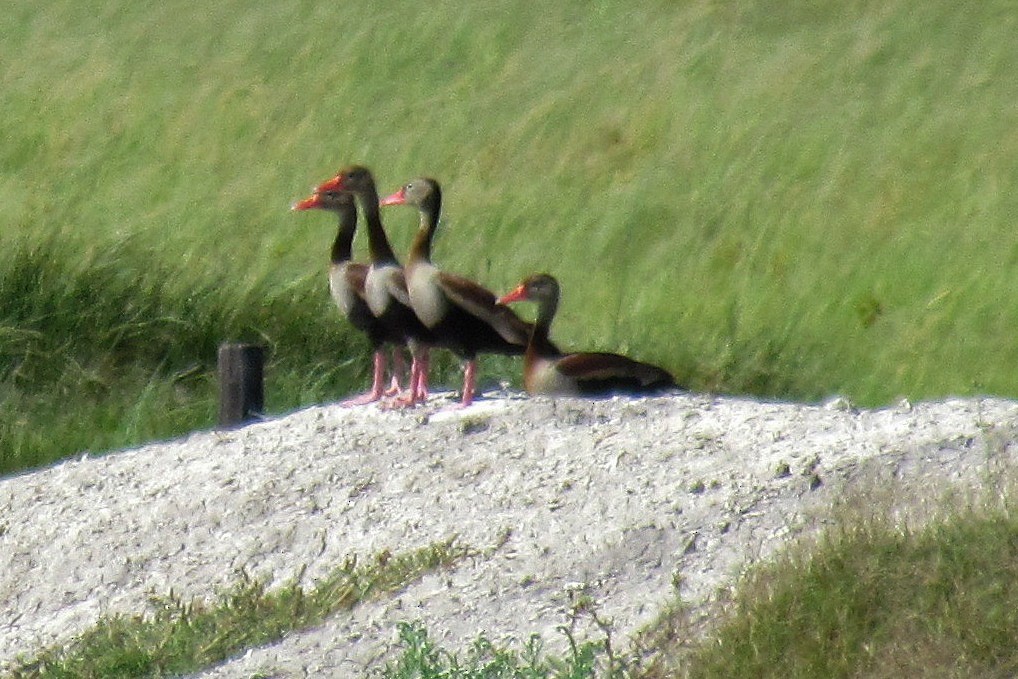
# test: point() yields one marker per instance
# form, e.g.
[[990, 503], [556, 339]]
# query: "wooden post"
[[241, 394]]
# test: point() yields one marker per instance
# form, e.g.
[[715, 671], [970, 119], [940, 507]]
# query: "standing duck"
[[385, 288], [548, 371], [463, 316], [346, 283]]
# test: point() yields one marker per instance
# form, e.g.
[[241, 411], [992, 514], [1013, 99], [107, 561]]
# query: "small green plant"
[[422, 659]]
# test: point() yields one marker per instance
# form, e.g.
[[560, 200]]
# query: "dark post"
[[241, 395]]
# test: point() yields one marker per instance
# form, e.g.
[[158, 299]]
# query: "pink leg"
[[398, 369], [418, 391], [376, 383], [469, 383], [420, 386]]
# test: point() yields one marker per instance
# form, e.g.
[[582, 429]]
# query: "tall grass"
[[788, 201]]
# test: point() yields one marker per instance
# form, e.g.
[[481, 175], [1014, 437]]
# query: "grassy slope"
[[790, 202], [876, 599]]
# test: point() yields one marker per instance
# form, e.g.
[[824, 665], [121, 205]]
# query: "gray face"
[[418, 191]]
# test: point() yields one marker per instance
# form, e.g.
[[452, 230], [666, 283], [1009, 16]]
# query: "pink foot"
[[376, 384], [398, 371], [394, 387], [363, 399], [418, 392]]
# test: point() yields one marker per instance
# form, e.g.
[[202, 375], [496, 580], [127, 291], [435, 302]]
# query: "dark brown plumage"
[[346, 284], [548, 371], [385, 286], [463, 316]]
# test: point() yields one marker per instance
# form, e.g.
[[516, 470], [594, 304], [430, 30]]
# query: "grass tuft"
[[421, 657], [181, 637], [881, 604], [871, 597]]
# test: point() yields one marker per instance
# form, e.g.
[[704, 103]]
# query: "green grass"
[[789, 202], [886, 590], [879, 603], [421, 657], [181, 637], [872, 596]]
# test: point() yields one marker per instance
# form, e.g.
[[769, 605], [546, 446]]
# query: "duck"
[[385, 287], [464, 316], [346, 286], [547, 371]]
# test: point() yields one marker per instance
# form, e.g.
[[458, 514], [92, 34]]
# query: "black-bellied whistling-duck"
[[346, 283], [464, 316], [385, 286], [547, 371]]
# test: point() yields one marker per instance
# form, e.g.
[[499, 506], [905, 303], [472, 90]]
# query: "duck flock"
[[420, 307]]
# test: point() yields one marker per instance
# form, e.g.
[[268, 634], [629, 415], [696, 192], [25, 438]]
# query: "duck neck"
[[342, 247], [378, 244], [431, 210], [540, 341]]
